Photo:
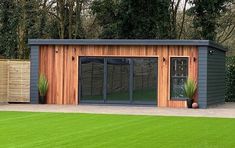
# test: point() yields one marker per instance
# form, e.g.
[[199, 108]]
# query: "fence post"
[[8, 75]]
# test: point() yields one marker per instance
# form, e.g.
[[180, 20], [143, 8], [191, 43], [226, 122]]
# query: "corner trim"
[[202, 76], [34, 66]]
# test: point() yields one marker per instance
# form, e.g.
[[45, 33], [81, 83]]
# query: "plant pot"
[[42, 99], [195, 105], [189, 103]]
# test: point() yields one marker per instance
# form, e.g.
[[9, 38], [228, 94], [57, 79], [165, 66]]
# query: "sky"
[[182, 5]]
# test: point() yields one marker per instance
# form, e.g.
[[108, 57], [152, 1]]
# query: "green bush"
[[230, 79]]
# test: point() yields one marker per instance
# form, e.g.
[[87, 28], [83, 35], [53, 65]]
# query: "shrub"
[[42, 85], [190, 88], [230, 79]]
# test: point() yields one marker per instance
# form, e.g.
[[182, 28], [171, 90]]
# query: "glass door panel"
[[145, 80], [118, 73], [91, 79]]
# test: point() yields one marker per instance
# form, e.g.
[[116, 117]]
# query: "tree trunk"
[[70, 5], [183, 19], [61, 14], [78, 19], [43, 19], [21, 29]]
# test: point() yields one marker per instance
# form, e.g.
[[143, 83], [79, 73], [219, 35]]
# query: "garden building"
[[119, 71]]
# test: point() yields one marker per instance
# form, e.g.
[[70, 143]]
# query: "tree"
[[182, 19], [19, 19], [28, 25], [8, 29], [145, 19], [133, 19], [206, 14], [226, 26], [226, 30], [107, 14], [23, 19], [67, 14], [174, 7]]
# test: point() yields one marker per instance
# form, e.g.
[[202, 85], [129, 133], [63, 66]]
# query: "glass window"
[[179, 75]]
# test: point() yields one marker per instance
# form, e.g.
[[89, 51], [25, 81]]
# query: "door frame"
[[131, 82]]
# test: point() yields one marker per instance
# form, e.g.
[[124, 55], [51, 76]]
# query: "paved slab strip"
[[223, 111]]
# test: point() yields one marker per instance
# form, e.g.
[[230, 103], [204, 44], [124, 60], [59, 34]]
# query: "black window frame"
[[105, 81], [179, 77]]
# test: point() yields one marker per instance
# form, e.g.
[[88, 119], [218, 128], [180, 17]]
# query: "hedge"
[[230, 79]]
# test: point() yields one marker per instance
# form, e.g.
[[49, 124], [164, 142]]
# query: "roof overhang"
[[208, 43]]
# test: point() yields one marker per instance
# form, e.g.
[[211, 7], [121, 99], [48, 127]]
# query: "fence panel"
[[14, 81]]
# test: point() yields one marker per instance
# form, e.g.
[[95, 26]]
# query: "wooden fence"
[[14, 81]]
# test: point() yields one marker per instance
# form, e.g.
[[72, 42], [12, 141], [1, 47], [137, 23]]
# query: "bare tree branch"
[[183, 19], [229, 35]]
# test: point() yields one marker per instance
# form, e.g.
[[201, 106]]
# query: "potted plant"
[[190, 88], [42, 88]]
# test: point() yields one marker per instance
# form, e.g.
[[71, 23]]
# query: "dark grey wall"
[[34, 65], [211, 76], [215, 77], [202, 77]]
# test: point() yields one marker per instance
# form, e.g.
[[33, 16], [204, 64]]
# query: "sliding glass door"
[[145, 80], [118, 80], [118, 76], [91, 79]]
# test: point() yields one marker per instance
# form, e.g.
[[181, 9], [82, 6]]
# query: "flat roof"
[[37, 42]]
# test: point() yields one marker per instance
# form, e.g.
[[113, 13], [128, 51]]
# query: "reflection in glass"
[[144, 88], [92, 70], [118, 79]]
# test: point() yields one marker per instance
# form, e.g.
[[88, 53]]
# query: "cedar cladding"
[[60, 65]]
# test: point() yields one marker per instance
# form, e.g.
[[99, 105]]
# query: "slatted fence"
[[14, 81]]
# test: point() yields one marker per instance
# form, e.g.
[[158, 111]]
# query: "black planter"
[[189, 103], [42, 100]]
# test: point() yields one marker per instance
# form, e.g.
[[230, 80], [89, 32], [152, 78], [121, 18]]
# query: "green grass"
[[30, 130]]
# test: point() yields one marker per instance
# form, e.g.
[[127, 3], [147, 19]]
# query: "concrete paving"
[[226, 110]]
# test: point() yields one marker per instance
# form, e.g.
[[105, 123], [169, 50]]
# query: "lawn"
[[30, 130]]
